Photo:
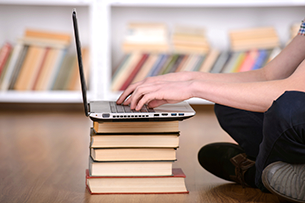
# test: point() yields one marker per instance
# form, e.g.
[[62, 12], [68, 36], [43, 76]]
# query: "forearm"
[[253, 96], [241, 77]]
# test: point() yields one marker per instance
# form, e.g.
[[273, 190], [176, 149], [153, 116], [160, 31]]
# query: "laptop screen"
[[80, 62]]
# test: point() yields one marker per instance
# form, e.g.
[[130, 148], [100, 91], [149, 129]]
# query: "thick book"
[[253, 38], [136, 127], [130, 168], [47, 35], [133, 154], [134, 140], [174, 184]]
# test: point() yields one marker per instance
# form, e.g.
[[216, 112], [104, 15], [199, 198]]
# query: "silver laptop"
[[110, 111]]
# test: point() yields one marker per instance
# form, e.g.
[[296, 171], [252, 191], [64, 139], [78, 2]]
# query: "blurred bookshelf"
[[102, 25]]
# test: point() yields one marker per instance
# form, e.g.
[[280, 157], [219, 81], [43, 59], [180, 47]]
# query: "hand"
[[180, 76], [156, 93]]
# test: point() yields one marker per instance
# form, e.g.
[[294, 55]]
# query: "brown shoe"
[[242, 164], [225, 160]]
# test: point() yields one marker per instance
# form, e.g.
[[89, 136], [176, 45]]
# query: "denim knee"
[[287, 111]]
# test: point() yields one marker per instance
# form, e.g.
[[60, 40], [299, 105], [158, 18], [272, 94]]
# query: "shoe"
[[287, 181], [225, 160]]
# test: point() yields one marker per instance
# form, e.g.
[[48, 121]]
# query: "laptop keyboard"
[[115, 108]]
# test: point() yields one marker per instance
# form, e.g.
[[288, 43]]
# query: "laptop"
[[110, 111]]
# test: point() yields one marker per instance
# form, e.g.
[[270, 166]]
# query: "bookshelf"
[[102, 26], [17, 15]]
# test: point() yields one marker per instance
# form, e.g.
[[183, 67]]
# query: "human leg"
[[230, 161], [283, 133], [244, 127]]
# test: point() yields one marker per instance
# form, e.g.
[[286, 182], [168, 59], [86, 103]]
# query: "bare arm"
[[253, 90]]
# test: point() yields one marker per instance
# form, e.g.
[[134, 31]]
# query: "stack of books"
[[146, 37], [253, 38], [190, 40], [134, 158]]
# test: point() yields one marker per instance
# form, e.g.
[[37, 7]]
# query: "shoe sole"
[[272, 190]]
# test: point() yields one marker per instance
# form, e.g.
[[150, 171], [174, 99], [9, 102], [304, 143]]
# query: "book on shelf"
[[158, 65], [134, 72], [253, 38], [231, 62], [235, 61], [147, 66], [209, 61], [249, 61], [136, 127], [72, 80], [261, 59], [146, 37], [130, 168], [168, 140], [5, 52], [64, 72], [168, 65], [4, 68], [221, 62], [48, 35], [125, 70], [173, 184], [12, 74], [183, 61], [36, 60], [43, 80], [190, 40]]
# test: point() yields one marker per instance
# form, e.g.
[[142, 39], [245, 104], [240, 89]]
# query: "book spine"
[[4, 54], [11, 66], [134, 72]]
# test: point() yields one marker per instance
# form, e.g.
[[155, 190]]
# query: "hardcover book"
[[174, 184]]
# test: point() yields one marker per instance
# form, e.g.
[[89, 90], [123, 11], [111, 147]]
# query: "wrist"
[[189, 75], [193, 88]]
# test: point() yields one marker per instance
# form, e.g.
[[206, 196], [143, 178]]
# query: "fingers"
[[156, 103], [140, 97], [126, 94]]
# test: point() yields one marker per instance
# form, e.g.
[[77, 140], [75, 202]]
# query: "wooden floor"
[[44, 154]]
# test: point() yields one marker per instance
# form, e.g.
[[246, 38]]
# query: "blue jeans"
[[276, 135]]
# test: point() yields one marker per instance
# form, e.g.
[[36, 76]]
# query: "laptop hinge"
[[89, 109]]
